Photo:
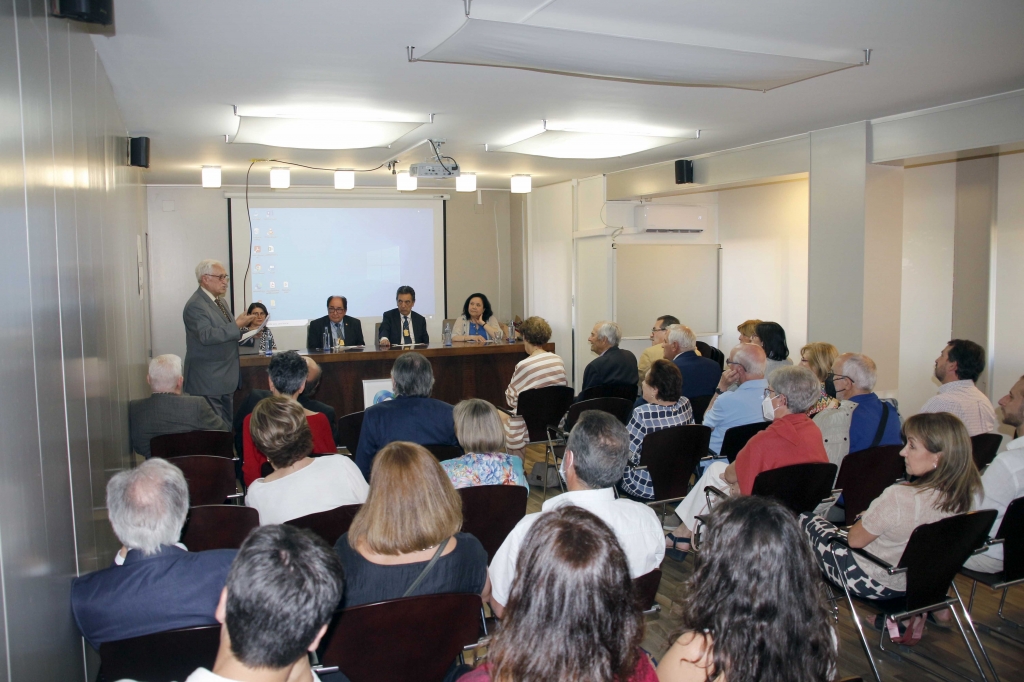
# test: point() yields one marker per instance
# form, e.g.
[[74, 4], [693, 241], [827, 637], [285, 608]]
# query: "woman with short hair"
[[299, 484], [264, 340], [482, 437], [411, 514], [747, 330], [772, 337], [540, 368], [572, 613], [819, 357], [477, 322]]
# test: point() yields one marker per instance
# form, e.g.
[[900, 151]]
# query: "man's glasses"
[[336, 310], [738, 364], [223, 278], [842, 376], [655, 330], [770, 393]]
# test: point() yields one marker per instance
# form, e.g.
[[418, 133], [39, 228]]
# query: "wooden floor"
[[943, 645]]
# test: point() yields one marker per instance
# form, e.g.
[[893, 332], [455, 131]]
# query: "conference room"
[[543, 256]]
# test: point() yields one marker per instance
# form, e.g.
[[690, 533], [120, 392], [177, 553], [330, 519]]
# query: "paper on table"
[[249, 334]]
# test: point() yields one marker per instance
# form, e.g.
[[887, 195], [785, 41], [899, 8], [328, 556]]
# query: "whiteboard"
[[668, 279]]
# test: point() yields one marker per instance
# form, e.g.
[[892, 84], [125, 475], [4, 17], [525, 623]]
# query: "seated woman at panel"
[[572, 614], [819, 357], [938, 453], [477, 322], [665, 407], [300, 484], [747, 330], [264, 340], [754, 572], [482, 437], [772, 337], [411, 514], [541, 368]]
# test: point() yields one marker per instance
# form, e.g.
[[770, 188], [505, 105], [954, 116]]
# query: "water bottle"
[[446, 335], [511, 331], [326, 346]]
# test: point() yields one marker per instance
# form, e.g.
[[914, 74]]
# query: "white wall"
[[1007, 362], [549, 282]]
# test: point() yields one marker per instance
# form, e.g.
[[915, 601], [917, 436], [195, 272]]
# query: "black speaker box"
[[89, 11], [684, 172], [138, 152]]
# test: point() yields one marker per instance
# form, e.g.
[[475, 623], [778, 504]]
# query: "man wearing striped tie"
[[401, 326], [211, 340]]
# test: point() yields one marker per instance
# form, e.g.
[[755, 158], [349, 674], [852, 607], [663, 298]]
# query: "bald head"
[[750, 359]]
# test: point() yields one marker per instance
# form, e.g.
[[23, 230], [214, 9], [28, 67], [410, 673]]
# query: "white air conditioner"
[[671, 218]]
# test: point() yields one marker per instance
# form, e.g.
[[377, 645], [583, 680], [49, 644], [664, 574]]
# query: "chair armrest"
[[715, 491], [837, 491], [642, 467], [889, 568], [508, 412]]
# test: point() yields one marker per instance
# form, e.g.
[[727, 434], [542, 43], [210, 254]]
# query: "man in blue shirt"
[[745, 371]]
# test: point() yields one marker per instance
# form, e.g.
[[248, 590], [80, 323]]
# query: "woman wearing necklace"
[[477, 322], [542, 368]]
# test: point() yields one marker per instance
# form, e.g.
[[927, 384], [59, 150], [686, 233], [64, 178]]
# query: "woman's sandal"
[[673, 551]]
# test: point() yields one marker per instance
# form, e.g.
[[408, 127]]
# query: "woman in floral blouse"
[[819, 358], [265, 339], [482, 437]]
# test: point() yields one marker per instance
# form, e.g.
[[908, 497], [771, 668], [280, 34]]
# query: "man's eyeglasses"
[[223, 278], [770, 393], [655, 330], [842, 376], [738, 364], [336, 310]]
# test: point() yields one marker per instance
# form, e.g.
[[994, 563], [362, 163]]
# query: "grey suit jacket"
[[211, 348], [164, 413]]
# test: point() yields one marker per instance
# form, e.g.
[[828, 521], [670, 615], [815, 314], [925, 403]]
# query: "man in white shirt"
[[957, 368], [400, 325], [279, 598], [1003, 480], [595, 457]]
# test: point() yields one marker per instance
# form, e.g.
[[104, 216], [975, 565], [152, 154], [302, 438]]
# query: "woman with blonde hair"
[[819, 357], [411, 515], [482, 437], [541, 368], [747, 330]]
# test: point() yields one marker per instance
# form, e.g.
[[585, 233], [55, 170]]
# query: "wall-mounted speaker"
[[684, 172], [138, 152], [89, 11]]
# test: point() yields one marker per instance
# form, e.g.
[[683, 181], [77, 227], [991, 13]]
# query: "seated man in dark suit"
[[700, 375], [614, 366], [401, 325], [168, 410], [412, 416], [344, 330], [159, 585]]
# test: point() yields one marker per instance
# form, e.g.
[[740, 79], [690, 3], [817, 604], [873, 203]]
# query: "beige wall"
[[517, 244], [1007, 348], [478, 250]]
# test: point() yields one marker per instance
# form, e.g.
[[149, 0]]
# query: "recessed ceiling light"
[[280, 178], [319, 133], [344, 179], [466, 182], [405, 182], [521, 184], [211, 176]]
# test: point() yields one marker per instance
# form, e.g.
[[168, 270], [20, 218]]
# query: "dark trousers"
[[222, 405]]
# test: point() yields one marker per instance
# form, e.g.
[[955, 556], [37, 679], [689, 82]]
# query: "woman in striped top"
[[540, 369]]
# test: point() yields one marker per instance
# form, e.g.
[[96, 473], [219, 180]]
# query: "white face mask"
[[767, 409], [561, 470]]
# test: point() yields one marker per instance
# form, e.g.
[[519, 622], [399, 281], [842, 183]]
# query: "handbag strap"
[[426, 569], [881, 424]]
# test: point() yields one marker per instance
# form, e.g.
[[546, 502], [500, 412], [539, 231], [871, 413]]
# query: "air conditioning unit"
[[671, 218]]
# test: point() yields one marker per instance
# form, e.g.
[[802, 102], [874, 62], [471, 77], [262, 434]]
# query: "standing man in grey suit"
[[211, 340]]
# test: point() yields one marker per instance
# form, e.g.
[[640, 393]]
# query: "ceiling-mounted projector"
[[429, 169]]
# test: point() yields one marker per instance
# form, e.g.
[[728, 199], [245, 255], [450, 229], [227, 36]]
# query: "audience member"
[[344, 329], [571, 613], [595, 457], [159, 585], [411, 515], [938, 454], [1003, 479], [755, 572], [957, 368], [664, 406], [747, 330], [540, 368], [656, 351], [482, 437], [700, 375], [264, 339], [741, 406], [168, 410], [792, 438], [819, 357], [412, 416], [279, 599], [287, 376], [772, 338], [477, 322], [299, 484], [613, 366]]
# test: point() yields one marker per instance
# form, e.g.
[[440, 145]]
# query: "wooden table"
[[462, 370]]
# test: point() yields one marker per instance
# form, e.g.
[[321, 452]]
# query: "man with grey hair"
[[211, 340], [735, 407], [791, 439], [412, 416], [613, 366], [156, 584], [168, 409], [700, 375], [595, 457]]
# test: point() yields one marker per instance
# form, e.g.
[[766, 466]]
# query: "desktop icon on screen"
[[270, 249], [259, 268], [273, 285], [256, 249], [256, 231], [284, 286], [271, 268], [270, 232]]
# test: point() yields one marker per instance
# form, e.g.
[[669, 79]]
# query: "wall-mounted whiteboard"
[[668, 279]]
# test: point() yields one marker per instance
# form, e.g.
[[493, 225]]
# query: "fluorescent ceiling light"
[[577, 143], [211, 176], [521, 184], [344, 179], [313, 133], [405, 182], [466, 182], [280, 178]]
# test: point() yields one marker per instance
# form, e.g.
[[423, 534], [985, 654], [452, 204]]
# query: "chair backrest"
[[218, 526], [212, 443], [624, 391], [543, 407], [210, 479], [736, 438], [449, 321], [376, 332], [490, 512], [671, 456], [937, 551], [162, 656], [416, 638], [864, 475], [699, 404], [620, 408], [330, 524], [646, 588], [348, 428], [709, 351], [1011, 530], [984, 447], [443, 452], [801, 487]]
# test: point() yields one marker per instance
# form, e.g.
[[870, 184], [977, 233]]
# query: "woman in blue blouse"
[[665, 407], [477, 322], [265, 339]]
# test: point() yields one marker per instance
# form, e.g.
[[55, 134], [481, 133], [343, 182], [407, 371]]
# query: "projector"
[[434, 170]]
